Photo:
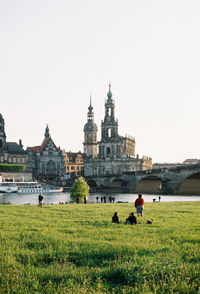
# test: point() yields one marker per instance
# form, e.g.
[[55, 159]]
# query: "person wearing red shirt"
[[139, 205]]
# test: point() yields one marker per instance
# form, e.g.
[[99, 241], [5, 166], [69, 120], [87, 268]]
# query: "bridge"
[[180, 180]]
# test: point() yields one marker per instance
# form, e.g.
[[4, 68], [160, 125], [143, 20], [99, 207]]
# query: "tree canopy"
[[79, 189]]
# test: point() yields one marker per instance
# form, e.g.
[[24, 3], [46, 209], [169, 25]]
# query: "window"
[[108, 151]]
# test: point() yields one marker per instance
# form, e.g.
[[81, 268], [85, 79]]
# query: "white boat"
[[37, 188], [26, 187], [8, 187]]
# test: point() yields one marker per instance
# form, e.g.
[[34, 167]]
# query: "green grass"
[[76, 249]]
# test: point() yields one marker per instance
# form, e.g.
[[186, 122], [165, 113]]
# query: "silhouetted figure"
[[40, 200], [110, 199], [78, 200], [159, 198], [113, 199], [115, 218], [85, 199], [104, 198], [97, 199], [131, 220]]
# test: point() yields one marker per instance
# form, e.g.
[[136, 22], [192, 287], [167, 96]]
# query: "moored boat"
[[8, 187], [38, 188]]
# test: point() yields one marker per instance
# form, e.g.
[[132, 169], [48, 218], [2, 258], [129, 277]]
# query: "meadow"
[[77, 249]]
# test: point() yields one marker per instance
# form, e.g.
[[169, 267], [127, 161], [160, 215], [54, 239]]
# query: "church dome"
[[90, 126]]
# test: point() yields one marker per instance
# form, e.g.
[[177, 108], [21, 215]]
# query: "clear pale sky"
[[54, 53]]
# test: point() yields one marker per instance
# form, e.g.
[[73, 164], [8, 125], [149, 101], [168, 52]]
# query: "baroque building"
[[46, 160], [10, 152], [113, 154], [73, 163]]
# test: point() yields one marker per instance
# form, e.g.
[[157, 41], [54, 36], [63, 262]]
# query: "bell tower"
[[109, 127], [90, 134], [2, 133]]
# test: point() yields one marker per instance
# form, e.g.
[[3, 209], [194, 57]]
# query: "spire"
[[109, 94], [90, 108], [47, 135]]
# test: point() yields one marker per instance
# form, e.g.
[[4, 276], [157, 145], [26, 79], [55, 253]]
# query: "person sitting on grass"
[[115, 218], [131, 220]]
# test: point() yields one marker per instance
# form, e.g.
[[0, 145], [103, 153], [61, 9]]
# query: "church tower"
[[109, 127], [2, 133], [90, 134]]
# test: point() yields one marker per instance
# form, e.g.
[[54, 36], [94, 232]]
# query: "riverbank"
[[76, 249], [56, 198]]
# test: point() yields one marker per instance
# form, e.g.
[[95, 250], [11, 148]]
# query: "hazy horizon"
[[53, 54]]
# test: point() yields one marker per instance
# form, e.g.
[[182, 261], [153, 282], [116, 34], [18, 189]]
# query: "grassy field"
[[76, 249]]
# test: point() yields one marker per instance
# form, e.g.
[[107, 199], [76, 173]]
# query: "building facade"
[[10, 152], [46, 160], [73, 163], [113, 154]]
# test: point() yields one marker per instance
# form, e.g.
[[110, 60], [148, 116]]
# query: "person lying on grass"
[[115, 218], [131, 220]]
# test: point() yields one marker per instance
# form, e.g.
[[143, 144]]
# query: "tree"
[[79, 190]]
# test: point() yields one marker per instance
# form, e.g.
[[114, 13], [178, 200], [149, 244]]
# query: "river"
[[56, 198]]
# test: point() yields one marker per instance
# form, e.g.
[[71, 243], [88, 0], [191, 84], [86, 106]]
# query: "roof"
[[39, 149], [191, 160], [13, 147], [73, 155]]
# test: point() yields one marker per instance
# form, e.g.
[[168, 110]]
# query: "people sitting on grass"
[[115, 218], [131, 220]]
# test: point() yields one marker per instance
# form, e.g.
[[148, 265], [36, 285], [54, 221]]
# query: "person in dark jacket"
[[40, 200], [115, 218], [131, 220]]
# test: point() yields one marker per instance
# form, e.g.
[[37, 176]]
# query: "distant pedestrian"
[[110, 199], [113, 199], [101, 199], [115, 218], [40, 200], [139, 205], [85, 199], [159, 198], [97, 199], [104, 198], [131, 220]]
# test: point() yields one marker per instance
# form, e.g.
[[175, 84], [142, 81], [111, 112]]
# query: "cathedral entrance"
[[51, 168]]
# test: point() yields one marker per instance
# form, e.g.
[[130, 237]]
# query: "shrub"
[[11, 167], [79, 190]]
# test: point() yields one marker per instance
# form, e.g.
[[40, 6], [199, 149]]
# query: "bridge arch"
[[92, 183], [190, 185], [118, 183], [149, 184]]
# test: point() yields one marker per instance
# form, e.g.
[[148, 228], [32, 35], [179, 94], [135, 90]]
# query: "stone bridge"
[[180, 180]]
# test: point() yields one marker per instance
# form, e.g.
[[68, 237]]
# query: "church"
[[46, 160], [113, 154], [10, 152]]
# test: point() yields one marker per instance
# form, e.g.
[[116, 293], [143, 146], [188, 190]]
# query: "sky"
[[54, 53]]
